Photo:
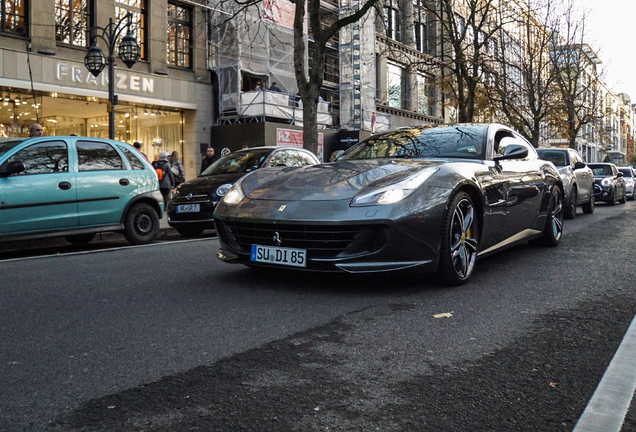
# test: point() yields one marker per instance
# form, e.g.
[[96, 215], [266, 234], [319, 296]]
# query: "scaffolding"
[[357, 72], [256, 47]]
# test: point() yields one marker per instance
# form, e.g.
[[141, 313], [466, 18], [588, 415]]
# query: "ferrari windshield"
[[456, 141], [238, 162]]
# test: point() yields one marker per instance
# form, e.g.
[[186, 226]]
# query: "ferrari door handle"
[[64, 185], [124, 182]]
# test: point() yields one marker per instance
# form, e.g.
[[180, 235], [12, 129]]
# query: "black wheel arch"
[[147, 198]]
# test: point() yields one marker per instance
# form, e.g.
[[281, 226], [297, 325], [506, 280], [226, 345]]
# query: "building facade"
[[164, 100]]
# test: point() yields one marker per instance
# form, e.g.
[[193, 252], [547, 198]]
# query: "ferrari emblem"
[[281, 208]]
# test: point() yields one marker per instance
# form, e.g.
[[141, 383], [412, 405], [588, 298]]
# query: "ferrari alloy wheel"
[[553, 230], [459, 241]]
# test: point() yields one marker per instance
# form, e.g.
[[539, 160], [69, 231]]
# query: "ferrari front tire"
[[459, 245]]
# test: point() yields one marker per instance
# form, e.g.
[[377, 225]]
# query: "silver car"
[[577, 177], [630, 177]]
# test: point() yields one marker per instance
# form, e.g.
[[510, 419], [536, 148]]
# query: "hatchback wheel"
[[459, 241], [141, 225]]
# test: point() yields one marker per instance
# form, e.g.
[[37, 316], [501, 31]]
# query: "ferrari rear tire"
[[459, 246], [570, 211], [553, 230]]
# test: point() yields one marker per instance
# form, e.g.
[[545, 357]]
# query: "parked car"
[[76, 187], [629, 175], [191, 205], [609, 184], [577, 177], [430, 199]]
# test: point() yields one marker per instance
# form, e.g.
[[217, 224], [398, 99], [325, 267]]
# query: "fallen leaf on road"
[[553, 384], [444, 315]]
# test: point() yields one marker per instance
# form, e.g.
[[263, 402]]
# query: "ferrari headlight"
[[606, 182], [395, 192], [223, 189], [234, 195]]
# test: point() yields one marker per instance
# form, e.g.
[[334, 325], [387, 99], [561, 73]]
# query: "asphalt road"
[[168, 338]]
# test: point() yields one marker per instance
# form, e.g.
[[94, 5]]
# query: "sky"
[[611, 24]]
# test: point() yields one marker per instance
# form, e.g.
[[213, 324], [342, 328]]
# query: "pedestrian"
[[258, 86], [167, 179], [209, 159], [177, 168], [274, 87], [137, 146], [35, 130]]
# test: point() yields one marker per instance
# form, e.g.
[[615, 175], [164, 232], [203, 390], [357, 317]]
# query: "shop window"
[[72, 21], [179, 35], [138, 25], [43, 158], [96, 156], [135, 162], [394, 89], [14, 16]]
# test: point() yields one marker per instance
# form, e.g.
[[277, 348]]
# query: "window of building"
[[424, 98], [14, 16], [421, 36], [138, 25], [72, 21], [394, 86], [392, 20], [179, 35]]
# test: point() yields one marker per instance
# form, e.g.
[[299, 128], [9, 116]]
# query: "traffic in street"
[[166, 337]]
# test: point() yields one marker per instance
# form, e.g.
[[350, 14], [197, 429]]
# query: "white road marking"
[[608, 406]]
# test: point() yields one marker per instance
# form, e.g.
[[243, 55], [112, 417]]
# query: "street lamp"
[[95, 62]]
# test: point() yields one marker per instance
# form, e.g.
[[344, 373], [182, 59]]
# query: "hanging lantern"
[[128, 50], [94, 60]]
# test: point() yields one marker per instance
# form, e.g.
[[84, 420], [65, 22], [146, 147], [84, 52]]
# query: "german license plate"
[[279, 255], [189, 208]]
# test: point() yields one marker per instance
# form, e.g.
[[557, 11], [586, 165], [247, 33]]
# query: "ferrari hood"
[[333, 181]]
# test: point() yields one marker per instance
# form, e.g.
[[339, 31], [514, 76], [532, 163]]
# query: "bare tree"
[[576, 77], [525, 88], [467, 40]]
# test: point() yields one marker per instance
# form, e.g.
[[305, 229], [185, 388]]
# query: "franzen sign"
[[124, 80]]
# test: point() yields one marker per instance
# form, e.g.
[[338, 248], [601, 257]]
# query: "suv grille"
[[320, 241]]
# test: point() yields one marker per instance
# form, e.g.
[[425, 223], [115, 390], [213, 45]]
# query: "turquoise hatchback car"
[[76, 187]]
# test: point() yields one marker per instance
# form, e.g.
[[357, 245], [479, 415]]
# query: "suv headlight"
[[223, 189], [173, 193], [606, 182], [395, 192]]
